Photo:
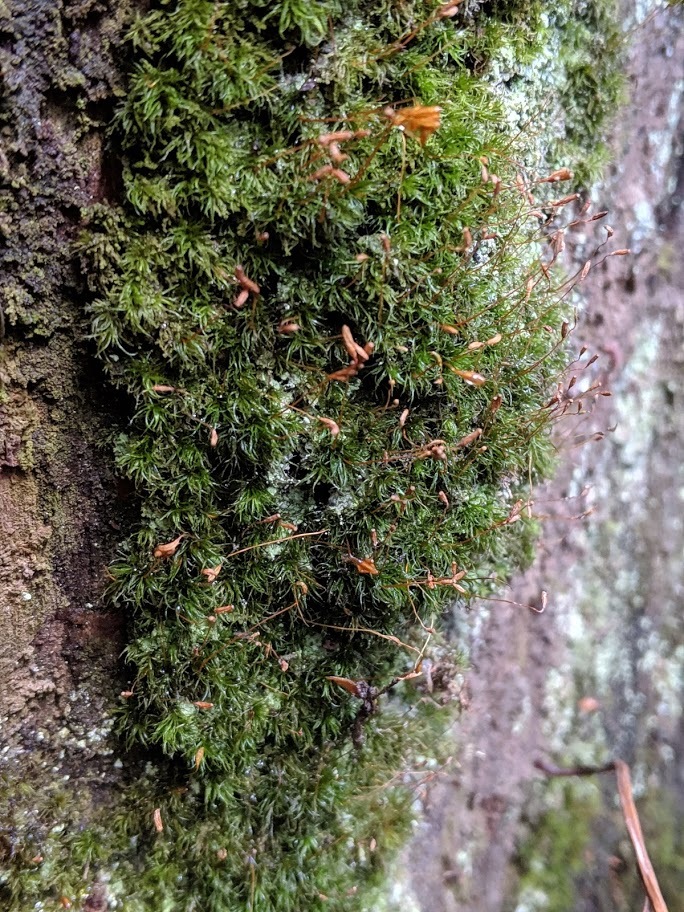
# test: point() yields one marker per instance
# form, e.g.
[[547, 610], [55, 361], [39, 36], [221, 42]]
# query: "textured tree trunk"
[[599, 675], [59, 647], [60, 504]]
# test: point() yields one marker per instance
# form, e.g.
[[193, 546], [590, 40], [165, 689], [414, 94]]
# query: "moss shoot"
[[326, 296]]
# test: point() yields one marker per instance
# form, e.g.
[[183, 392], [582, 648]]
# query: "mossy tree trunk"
[[613, 631], [417, 248]]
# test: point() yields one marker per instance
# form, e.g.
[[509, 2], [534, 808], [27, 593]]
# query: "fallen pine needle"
[[648, 876], [654, 896]]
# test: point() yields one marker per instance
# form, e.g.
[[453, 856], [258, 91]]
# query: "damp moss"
[[204, 849], [592, 48], [332, 314], [663, 836]]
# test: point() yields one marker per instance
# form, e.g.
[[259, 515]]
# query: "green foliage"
[[262, 848], [222, 176], [321, 515], [562, 65]]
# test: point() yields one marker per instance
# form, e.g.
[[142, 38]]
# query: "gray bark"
[[613, 630]]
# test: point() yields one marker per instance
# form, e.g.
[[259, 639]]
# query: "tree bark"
[[59, 646], [599, 675], [60, 502]]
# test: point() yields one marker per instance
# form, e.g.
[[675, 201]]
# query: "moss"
[[318, 516], [560, 67], [592, 47], [556, 852], [202, 850], [663, 836], [581, 835]]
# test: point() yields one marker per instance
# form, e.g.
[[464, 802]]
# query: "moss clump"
[[225, 855], [325, 299], [592, 48]]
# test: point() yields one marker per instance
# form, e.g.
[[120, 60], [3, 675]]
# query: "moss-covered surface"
[[325, 296], [558, 853], [578, 855]]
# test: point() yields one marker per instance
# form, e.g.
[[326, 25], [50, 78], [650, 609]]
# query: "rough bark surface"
[[613, 628], [614, 580], [58, 646]]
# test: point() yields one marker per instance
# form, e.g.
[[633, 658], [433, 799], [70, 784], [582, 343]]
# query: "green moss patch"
[[327, 299]]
